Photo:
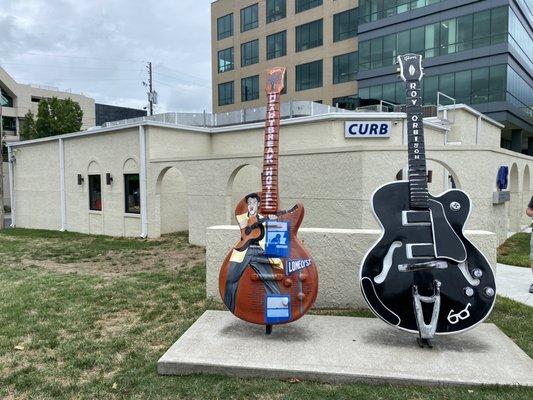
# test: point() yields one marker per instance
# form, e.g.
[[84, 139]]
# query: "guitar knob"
[[302, 277], [489, 292], [477, 273], [285, 301], [301, 296], [469, 292], [287, 282]]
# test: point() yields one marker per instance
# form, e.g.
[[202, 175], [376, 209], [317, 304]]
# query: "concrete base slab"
[[343, 349]]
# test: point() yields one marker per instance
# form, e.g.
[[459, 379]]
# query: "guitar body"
[[402, 257], [300, 286]]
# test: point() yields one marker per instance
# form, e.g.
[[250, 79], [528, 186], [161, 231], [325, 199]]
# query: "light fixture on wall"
[[80, 179], [108, 179]]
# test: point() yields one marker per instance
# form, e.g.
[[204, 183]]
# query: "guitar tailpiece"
[[427, 331]]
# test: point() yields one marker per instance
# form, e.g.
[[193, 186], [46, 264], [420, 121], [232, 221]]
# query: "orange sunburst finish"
[[248, 277]]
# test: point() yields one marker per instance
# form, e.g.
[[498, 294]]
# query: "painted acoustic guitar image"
[[423, 275], [269, 277]]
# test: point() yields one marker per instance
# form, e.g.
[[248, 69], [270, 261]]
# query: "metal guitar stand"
[[426, 332]]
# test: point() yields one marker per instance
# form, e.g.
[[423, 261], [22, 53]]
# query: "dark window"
[[376, 52], [446, 84], [225, 26], [249, 18], [497, 83], [132, 192], [225, 93], [389, 50], [95, 192], [345, 24], [250, 88], [430, 85], [35, 99], [346, 103], [416, 44], [9, 124], [309, 76], [225, 60], [309, 35], [498, 24], [345, 68], [481, 28], [250, 53], [364, 55], [302, 5], [463, 87], [480, 87], [6, 100], [464, 32], [276, 45], [275, 9]]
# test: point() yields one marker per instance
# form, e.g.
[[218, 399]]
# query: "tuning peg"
[[398, 69]]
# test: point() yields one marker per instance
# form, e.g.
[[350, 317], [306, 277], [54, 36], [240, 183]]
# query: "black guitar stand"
[[426, 332], [268, 329]]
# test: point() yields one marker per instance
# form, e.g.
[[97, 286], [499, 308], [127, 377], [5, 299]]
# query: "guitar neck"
[[418, 183], [269, 176]]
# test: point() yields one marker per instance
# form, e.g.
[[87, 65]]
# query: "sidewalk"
[[514, 282]]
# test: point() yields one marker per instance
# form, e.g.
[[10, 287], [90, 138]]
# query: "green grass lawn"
[[515, 250], [88, 317]]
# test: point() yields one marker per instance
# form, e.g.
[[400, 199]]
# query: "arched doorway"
[[243, 180], [173, 202], [440, 176], [513, 208]]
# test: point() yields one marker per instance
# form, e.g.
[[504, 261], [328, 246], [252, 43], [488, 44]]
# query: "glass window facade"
[[520, 39], [225, 60], [309, 35], [249, 17], [519, 93], [9, 124], [95, 192], [302, 5], [132, 193], [225, 26], [345, 24], [250, 53], [276, 45], [345, 68], [250, 88], [449, 36], [480, 85], [275, 9], [5, 99], [309, 76], [346, 102], [225, 94], [373, 10]]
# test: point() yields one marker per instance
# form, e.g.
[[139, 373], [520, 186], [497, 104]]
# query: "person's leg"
[[235, 271], [262, 268], [531, 261]]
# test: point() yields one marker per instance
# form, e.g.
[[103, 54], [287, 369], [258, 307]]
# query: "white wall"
[[7, 200]]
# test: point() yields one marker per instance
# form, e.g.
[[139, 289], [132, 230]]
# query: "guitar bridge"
[[422, 266]]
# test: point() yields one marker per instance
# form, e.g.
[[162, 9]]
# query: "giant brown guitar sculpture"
[[269, 277], [423, 275]]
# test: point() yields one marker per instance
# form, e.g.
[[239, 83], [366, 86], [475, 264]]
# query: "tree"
[[56, 117], [29, 129]]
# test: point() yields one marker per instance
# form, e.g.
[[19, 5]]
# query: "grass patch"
[[89, 336], [515, 250]]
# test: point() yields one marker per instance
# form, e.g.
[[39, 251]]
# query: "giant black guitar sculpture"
[[423, 275]]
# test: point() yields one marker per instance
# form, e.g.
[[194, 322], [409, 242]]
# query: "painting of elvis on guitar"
[[251, 253]]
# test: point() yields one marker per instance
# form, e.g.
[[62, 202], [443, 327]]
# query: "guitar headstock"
[[275, 80], [410, 67]]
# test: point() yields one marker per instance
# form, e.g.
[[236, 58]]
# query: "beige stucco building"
[[307, 44], [17, 99], [149, 178]]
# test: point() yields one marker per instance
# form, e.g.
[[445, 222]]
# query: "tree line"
[[54, 117]]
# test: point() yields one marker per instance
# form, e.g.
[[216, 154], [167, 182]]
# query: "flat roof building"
[[17, 99], [342, 52]]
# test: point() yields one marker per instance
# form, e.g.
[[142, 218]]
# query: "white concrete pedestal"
[[343, 349]]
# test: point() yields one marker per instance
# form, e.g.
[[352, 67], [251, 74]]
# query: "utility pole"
[[152, 95], [1, 169]]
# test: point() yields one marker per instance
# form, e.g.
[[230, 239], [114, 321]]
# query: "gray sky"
[[99, 48]]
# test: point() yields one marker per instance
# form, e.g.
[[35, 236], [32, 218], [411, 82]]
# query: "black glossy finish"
[[392, 299]]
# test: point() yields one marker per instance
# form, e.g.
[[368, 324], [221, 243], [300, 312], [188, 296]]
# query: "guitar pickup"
[[420, 250], [416, 218]]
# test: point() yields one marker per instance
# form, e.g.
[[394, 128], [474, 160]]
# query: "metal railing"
[[292, 109]]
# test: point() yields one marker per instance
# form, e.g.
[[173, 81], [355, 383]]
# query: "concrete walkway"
[[514, 282]]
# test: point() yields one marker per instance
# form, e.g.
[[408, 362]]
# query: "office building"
[[342, 52]]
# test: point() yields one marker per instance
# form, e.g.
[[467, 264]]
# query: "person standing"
[[529, 212]]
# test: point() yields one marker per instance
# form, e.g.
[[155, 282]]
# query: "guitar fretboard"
[[269, 176], [418, 184]]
